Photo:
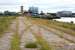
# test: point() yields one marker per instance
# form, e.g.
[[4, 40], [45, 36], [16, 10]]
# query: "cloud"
[[9, 2], [45, 5]]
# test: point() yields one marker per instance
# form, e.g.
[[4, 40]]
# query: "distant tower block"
[[22, 9]]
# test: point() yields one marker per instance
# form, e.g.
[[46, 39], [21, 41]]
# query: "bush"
[[72, 22], [31, 45]]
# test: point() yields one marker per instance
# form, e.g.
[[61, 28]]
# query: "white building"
[[64, 14]]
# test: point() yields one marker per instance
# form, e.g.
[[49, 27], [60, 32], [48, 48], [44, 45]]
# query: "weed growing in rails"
[[15, 41]]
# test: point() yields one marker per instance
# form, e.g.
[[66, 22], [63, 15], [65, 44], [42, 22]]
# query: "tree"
[[6, 13], [1, 13], [42, 13]]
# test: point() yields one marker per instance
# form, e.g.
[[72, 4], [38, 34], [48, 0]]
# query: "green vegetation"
[[5, 23], [61, 26], [15, 41], [31, 45], [42, 42], [8, 13]]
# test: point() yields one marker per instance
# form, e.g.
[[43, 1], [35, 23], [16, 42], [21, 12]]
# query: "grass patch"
[[15, 41], [42, 42], [31, 45], [5, 23], [61, 26]]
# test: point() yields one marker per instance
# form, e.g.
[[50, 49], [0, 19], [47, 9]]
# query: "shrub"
[[31, 45], [72, 22]]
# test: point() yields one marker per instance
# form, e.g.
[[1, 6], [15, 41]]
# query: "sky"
[[44, 5]]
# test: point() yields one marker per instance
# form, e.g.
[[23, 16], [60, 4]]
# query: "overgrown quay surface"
[[24, 30]]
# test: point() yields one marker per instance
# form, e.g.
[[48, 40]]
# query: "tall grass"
[[15, 41], [5, 23], [39, 39], [42, 42], [61, 26]]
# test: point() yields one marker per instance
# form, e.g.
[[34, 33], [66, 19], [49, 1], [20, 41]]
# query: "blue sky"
[[45, 5]]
